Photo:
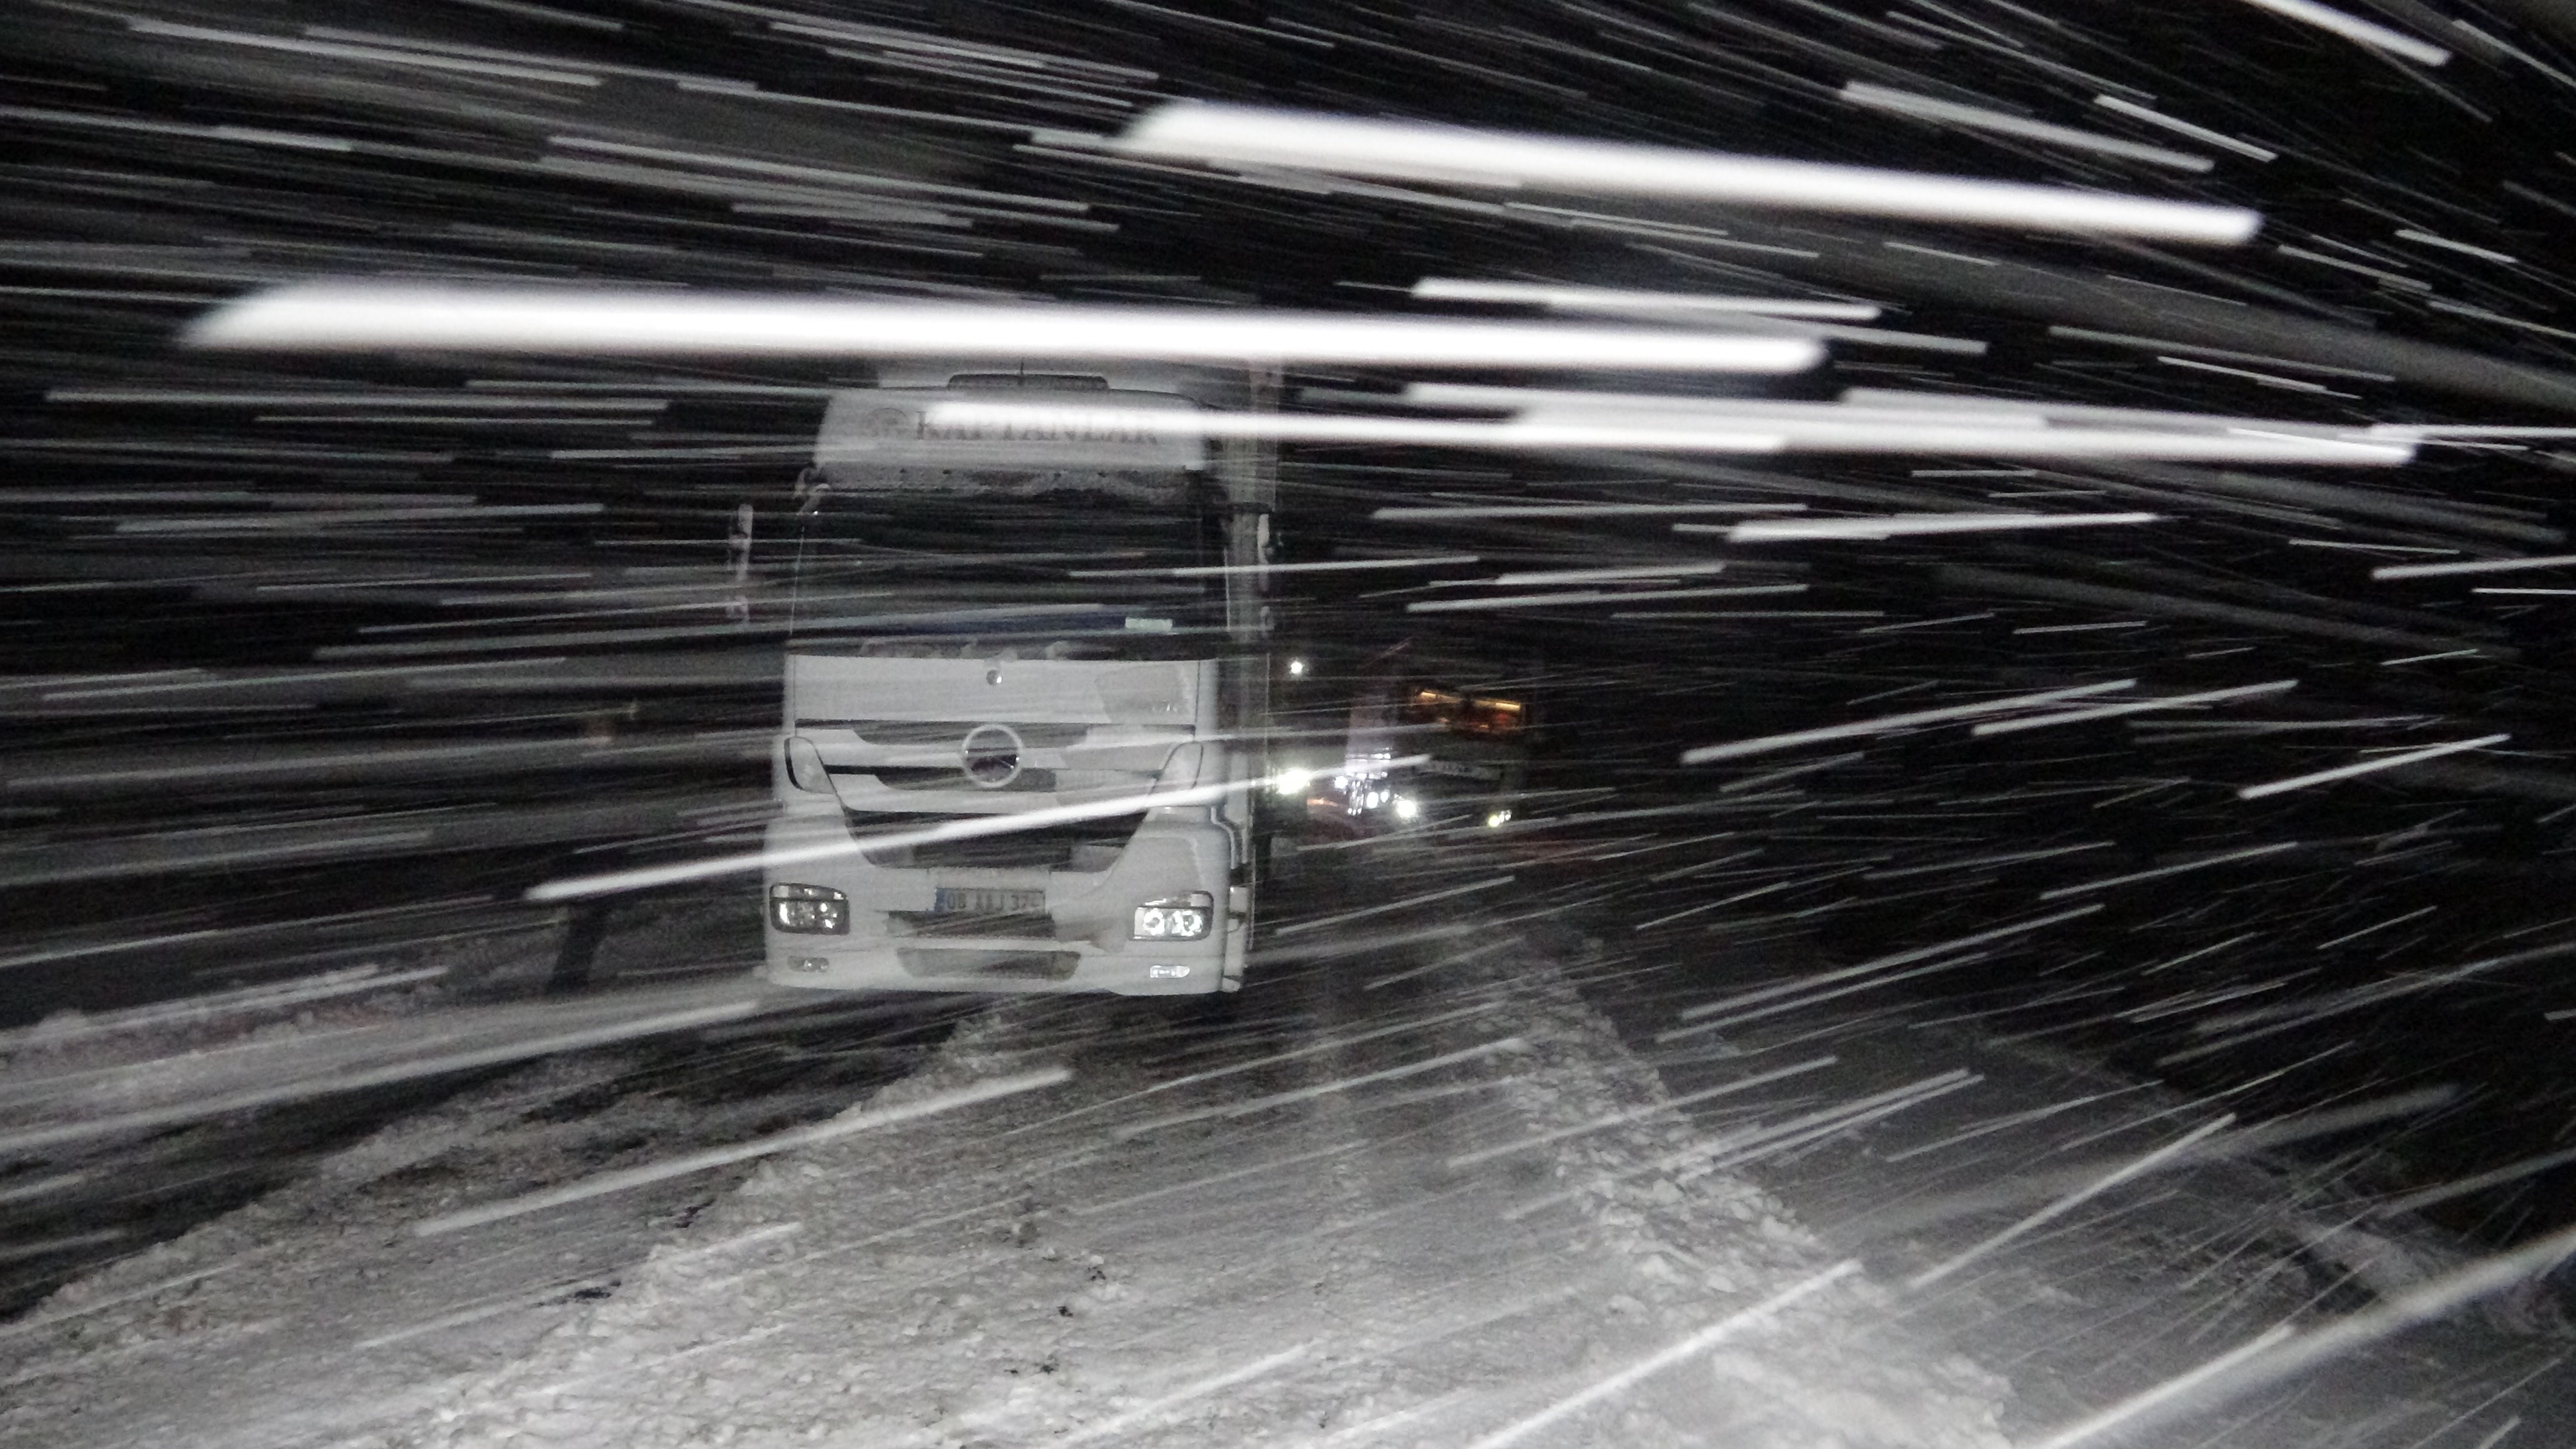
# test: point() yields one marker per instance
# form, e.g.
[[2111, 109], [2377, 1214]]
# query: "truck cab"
[[999, 657]]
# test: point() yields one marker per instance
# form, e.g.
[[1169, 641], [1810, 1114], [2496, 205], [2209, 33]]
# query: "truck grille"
[[1037, 736], [1080, 845], [941, 777]]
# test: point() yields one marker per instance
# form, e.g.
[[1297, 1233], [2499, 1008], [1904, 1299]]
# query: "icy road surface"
[[1270, 1233], [1455, 1175], [1981, 1206]]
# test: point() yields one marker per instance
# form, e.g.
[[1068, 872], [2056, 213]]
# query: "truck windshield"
[[902, 527]]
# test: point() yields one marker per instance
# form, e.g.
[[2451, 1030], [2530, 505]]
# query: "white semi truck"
[[994, 668]]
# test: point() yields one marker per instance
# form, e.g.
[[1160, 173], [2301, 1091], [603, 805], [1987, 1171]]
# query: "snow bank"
[[316, 1313]]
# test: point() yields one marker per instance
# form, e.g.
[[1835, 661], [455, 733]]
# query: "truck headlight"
[[809, 910], [1176, 918]]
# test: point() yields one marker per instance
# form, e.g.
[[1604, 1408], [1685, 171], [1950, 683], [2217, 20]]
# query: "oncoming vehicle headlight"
[[1176, 918], [809, 910]]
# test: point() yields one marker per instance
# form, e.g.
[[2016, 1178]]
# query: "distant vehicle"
[[985, 623], [1423, 754]]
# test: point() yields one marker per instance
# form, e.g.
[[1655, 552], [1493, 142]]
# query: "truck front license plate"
[[984, 901]]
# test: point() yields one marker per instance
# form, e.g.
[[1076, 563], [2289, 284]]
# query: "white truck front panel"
[[892, 746]]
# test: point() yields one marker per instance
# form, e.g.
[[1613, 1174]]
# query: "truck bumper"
[[972, 965], [1087, 951]]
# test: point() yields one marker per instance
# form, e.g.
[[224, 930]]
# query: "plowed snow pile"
[[1268, 1235]]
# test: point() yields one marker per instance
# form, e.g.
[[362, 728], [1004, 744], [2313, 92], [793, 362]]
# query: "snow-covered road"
[[1453, 1174], [1257, 1236], [2096, 1238], [1390, 1217]]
